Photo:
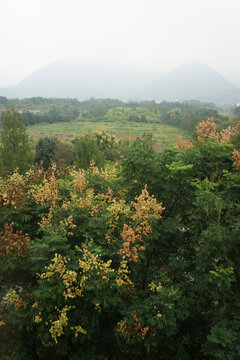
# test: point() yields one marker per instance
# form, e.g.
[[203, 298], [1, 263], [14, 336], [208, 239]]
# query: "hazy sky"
[[154, 34]]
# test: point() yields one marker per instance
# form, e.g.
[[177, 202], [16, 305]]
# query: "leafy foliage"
[[15, 151], [137, 260]]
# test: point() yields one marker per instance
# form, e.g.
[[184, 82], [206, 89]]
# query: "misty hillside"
[[190, 81], [225, 97], [77, 79]]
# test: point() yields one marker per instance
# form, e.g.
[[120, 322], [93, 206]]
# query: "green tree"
[[87, 150], [45, 150], [49, 150], [16, 150], [108, 145], [64, 152]]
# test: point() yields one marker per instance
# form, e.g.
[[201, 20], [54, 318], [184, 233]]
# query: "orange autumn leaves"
[[139, 217], [135, 329], [236, 157], [13, 243], [207, 130], [183, 145], [12, 191], [146, 210], [44, 188]]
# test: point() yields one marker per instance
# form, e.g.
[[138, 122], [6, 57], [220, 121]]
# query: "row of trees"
[[185, 115], [52, 116]]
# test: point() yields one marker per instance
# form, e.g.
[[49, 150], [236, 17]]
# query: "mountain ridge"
[[82, 80], [188, 81]]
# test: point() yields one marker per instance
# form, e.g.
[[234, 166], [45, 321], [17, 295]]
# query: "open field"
[[163, 135]]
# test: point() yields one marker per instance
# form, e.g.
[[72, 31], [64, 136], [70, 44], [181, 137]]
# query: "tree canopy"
[[135, 260], [15, 146]]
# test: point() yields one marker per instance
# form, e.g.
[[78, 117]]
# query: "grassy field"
[[163, 135]]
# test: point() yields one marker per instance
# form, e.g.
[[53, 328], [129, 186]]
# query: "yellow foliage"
[[116, 209], [109, 173], [45, 193], [2, 323], [56, 329], [154, 287], [38, 318], [146, 209], [78, 329], [15, 300]]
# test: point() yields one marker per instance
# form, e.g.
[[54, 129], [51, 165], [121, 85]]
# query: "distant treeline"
[[36, 101], [52, 116], [184, 115]]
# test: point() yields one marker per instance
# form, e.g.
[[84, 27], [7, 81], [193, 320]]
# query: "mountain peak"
[[193, 80], [71, 77]]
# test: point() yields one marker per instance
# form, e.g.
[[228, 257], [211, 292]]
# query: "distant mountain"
[[227, 97], [189, 81], [74, 78], [82, 80]]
